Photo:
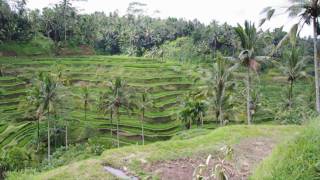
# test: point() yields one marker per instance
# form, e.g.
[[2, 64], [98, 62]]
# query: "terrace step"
[[9, 103], [7, 79], [13, 87], [13, 95]]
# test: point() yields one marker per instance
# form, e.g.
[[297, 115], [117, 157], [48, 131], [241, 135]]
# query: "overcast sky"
[[230, 11]]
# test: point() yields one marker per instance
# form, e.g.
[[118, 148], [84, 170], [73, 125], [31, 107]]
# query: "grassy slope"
[[134, 157], [297, 159]]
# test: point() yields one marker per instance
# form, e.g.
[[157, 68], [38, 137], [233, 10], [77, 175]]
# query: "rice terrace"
[[136, 92]]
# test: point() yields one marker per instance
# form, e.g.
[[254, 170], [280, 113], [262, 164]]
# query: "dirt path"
[[246, 155]]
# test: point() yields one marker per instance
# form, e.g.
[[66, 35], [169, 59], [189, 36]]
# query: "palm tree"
[[193, 109], [33, 101], [248, 38], [308, 12], [120, 97], [198, 111], [185, 115], [106, 105], [220, 82], [48, 100], [292, 67], [144, 103], [63, 81]]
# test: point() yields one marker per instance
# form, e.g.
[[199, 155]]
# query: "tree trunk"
[[290, 94], [142, 129], [248, 96], [316, 64], [66, 135], [64, 19], [54, 132], [65, 32], [85, 111], [201, 116], [48, 136], [38, 133], [220, 113], [118, 143], [111, 128]]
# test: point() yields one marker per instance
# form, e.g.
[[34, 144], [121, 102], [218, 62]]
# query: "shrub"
[[297, 115], [15, 159]]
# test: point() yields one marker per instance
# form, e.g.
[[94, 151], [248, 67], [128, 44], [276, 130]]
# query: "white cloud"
[[230, 11]]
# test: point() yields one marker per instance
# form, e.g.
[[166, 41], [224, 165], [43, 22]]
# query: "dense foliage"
[[135, 33]]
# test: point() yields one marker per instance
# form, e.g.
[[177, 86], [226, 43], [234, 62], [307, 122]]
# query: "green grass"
[[134, 157], [297, 159]]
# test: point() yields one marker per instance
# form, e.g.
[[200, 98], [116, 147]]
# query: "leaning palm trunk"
[[316, 64], [248, 96], [142, 128]]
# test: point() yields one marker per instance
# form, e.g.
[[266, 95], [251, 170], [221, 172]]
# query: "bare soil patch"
[[246, 155]]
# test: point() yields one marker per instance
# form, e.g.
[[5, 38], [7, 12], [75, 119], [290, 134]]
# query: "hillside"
[[165, 80], [168, 82], [177, 158]]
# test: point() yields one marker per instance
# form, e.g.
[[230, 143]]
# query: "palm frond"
[[291, 37], [295, 10], [269, 13]]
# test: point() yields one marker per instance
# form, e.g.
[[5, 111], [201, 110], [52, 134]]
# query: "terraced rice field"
[[165, 80]]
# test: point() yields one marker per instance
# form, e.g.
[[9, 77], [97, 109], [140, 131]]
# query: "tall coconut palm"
[[144, 103], [248, 37], [120, 97], [63, 81], [49, 99], [106, 105], [308, 12]]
